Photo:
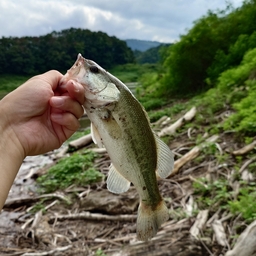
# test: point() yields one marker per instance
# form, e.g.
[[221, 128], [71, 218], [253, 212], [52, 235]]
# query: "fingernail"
[[57, 101]]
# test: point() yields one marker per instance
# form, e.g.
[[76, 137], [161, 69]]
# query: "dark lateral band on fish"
[[121, 125]]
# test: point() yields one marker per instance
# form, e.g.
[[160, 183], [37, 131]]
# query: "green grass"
[[219, 194], [77, 169], [10, 82], [130, 73]]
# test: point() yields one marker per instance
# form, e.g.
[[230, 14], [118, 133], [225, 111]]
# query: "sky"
[[154, 20]]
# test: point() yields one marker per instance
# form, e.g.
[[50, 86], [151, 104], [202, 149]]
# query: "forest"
[[199, 94], [216, 42], [33, 55]]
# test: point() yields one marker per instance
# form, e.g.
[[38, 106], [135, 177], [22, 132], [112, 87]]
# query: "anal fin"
[[165, 160], [116, 182]]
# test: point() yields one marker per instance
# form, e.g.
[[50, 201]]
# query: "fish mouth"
[[80, 71], [76, 69], [85, 66]]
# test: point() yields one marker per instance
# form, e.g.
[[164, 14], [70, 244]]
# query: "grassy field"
[[130, 73], [126, 73], [10, 82]]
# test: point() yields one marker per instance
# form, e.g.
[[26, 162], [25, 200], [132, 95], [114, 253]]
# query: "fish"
[[121, 125]]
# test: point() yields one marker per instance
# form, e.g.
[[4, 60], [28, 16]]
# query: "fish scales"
[[146, 159], [120, 123]]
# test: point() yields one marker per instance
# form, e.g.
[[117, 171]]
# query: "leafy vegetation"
[[238, 86], [57, 50], [215, 43], [219, 194], [152, 55], [128, 73], [213, 194], [212, 67], [77, 169]]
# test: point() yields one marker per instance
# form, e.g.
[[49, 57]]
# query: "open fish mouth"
[[82, 69]]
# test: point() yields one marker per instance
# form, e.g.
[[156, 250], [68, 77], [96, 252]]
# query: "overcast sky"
[[157, 20]]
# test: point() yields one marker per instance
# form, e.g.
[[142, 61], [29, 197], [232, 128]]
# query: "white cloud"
[[162, 20]]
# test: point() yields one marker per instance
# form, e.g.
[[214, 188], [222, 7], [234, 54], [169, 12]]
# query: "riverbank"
[[89, 220]]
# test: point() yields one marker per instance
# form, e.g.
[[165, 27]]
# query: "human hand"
[[40, 114]]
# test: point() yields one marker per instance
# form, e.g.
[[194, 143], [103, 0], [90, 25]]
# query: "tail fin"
[[150, 220]]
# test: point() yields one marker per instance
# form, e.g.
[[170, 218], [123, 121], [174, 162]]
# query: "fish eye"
[[94, 69]]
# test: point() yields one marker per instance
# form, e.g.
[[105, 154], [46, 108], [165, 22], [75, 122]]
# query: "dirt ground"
[[98, 222]]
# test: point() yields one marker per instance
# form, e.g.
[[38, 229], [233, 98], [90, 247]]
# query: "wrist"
[[9, 143], [11, 155]]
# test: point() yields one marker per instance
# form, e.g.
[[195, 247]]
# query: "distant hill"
[[152, 55], [141, 45]]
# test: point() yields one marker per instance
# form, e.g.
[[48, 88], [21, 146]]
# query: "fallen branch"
[[99, 150], [197, 227], [94, 216], [246, 243], [245, 149], [193, 153], [172, 128], [81, 142], [220, 233], [52, 252], [27, 200], [161, 121], [247, 163], [62, 152]]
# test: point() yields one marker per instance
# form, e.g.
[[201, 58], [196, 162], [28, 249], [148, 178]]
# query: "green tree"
[[58, 50], [216, 42]]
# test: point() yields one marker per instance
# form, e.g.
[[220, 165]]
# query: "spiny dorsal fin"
[[165, 161], [116, 182]]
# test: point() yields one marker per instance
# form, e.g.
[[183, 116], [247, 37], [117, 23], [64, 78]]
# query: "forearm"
[[11, 158]]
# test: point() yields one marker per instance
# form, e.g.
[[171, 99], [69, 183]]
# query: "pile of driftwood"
[[184, 234]]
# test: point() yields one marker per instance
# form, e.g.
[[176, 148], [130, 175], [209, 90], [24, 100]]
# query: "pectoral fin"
[[165, 161], [116, 182], [96, 136]]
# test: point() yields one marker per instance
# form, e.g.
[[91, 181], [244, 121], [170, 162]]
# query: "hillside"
[[56, 50], [141, 45]]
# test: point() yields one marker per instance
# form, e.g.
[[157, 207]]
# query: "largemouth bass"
[[121, 125]]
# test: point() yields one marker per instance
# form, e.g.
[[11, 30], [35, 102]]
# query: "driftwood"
[[28, 200], [197, 227], [62, 152], [172, 128], [245, 149], [81, 142], [219, 233], [246, 243], [94, 216], [99, 150], [193, 153], [160, 122], [247, 163], [51, 252]]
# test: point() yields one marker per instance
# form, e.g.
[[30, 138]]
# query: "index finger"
[[51, 77], [76, 91]]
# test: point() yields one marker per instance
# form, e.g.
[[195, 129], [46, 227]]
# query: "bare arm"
[[36, 118]]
